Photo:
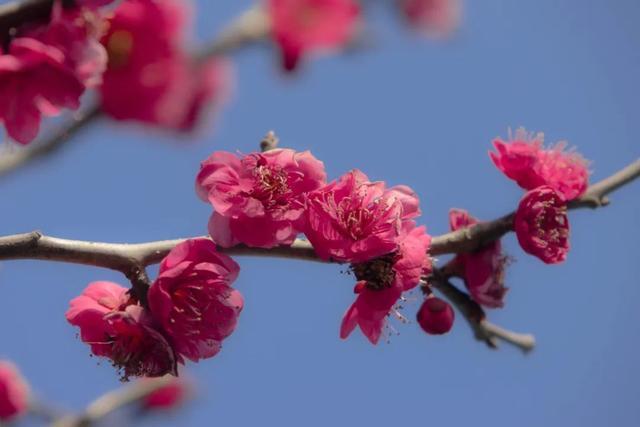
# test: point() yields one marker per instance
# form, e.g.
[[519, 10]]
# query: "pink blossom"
[[483, 269], [165, 87], [435, 316], [303, 26], [542, 225], [433, 17], [118, 329], [193, 300], [381, 282], [168, 396], [355, 220], [524, 159], [258, 198], [14, 392], [46, 69]]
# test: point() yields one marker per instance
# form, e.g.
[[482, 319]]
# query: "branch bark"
[[248, 28]]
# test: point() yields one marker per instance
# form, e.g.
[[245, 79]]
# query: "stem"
[[475, 316]]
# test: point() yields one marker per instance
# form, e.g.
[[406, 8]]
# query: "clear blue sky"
[[405, 111]]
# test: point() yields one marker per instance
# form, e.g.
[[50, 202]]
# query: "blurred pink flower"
[[524, 159], [435, 316], [355, 220], [483, 269], [14, 392], [164, 86], [169, 396], [301, 27], [46, 69], [381, 282], [432, 17], [193, 300], [116, 328], [542, 226], [258, 198]]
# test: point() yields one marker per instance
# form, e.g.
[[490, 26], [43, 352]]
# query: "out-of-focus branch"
[[250, 27], [112, 401], [18, 12], [18, 156], [475, 316], [471, 238]]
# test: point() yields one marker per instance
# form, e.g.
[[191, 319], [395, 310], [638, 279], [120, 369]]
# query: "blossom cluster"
[[268, 199], [191, 309], [136, 59], [552, 177]]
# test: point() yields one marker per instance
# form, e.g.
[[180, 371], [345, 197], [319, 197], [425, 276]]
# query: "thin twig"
[[475, 316], [248, 28], [113, 401], [471, 238]]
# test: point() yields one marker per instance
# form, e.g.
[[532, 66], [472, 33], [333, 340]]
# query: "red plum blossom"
[[435, 316], [542, 226], [193, 300], [432, 17], [483, 269], [301, 27], [258, 198], [524, 159]]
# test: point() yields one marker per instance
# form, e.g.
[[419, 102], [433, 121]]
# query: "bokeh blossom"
[[14, 392], [151, 77], [46, 68], [435, 18], [302, 27]]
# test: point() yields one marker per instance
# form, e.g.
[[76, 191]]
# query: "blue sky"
[[407, 111]]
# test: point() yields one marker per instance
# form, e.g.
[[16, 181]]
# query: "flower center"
[[378, 273], [119, 47], [355, 219], [271, 185]]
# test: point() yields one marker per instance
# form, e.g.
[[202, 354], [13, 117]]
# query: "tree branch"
[[471, 238], [248, 28], [112, 401], [475, 316]]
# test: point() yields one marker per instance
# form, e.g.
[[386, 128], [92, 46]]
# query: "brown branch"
[[472, 238], [475, 316], [113, 401], [126, 257], [248, 28]]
